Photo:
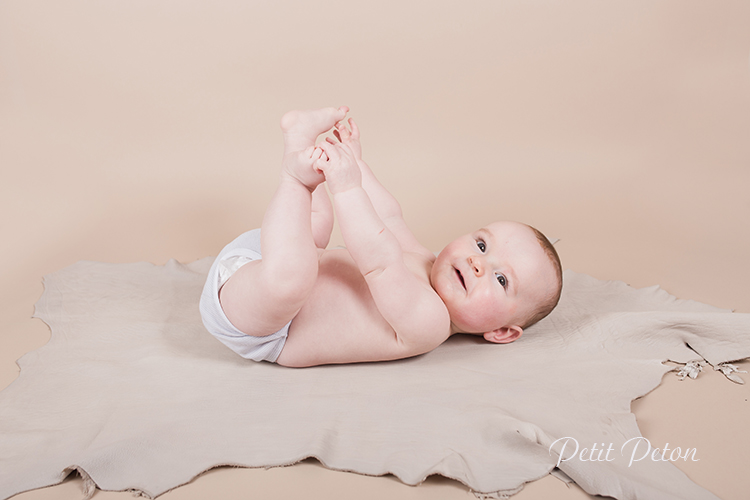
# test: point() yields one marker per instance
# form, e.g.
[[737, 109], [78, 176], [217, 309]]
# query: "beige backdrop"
[[143, 131]]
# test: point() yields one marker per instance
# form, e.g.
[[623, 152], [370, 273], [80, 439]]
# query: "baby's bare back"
[[340, 322]]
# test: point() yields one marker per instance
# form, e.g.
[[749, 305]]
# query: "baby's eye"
[[501, 279], [481, 245]]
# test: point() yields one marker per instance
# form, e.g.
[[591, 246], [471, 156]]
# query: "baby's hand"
[[340, 169], [301, 165], [349, 137]]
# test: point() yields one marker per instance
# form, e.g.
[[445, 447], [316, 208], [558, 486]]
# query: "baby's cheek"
[[493, 313], [488, 315], [481, 318]]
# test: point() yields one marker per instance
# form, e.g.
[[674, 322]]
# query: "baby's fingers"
[[341, 131], [320, 159], [319, 154], [329, 149], [354, 134], [344, 150]]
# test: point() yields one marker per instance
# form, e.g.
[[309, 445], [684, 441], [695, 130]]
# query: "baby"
[[382, 297]]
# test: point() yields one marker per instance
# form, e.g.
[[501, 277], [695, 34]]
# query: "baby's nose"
[[476, 265]]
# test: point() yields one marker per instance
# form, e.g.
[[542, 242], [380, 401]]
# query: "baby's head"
[[498, 280]]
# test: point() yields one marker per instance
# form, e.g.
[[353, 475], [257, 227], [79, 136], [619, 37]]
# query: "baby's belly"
[[339, 323]]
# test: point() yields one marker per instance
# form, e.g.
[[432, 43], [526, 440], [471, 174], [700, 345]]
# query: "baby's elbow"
[[420, 343], [422, 338], [385, 266], [373, 273]]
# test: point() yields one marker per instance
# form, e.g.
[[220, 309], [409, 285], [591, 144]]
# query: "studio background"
[[144, 131]]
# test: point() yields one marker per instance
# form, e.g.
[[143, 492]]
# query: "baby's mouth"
[[460, 278]]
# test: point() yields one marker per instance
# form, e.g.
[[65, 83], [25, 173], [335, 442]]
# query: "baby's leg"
[[322, 217], [302, 128], [264, 295]]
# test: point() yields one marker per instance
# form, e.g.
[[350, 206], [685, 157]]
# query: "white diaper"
[[245, 248]]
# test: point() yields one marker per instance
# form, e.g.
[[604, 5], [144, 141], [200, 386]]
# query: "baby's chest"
[[341, 294], [341, 288], [340, 322]]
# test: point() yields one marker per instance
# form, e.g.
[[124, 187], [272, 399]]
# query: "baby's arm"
[[409, 305], [385, 204]]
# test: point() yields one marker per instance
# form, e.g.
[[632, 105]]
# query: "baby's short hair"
[[550, 302]]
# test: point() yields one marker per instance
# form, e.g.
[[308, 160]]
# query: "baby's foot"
[[302, 128], [348, 136], [301, 165]]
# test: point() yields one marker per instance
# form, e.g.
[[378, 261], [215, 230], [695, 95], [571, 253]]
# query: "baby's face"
[[493, 278]]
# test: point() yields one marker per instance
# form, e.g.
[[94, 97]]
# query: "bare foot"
[[301, 165], [302, 128]]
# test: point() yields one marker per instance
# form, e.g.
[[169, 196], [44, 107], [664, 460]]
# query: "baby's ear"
[[504, 335]]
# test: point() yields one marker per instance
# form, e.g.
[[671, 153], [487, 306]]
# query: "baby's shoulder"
[[420, 263]]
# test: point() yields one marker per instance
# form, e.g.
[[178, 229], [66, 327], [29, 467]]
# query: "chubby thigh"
[[241, 335]]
